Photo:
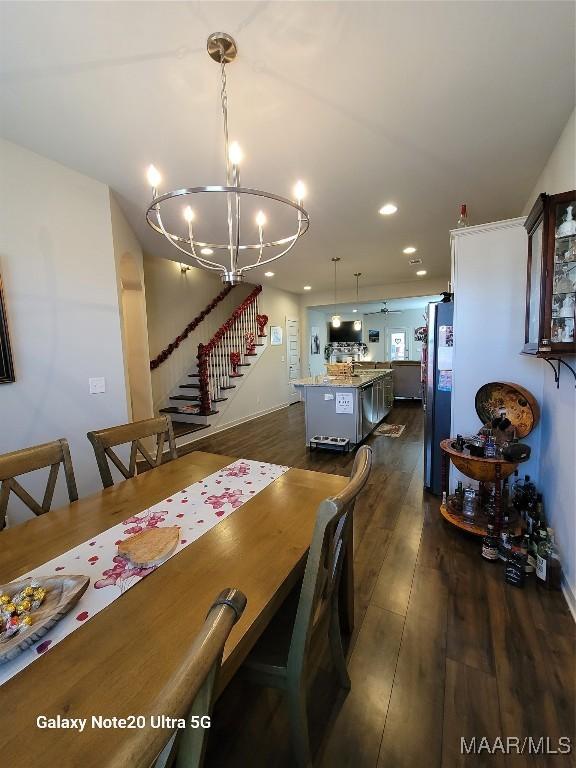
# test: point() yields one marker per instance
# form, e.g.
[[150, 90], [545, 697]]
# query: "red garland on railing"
[[205, 349], [165, 354]]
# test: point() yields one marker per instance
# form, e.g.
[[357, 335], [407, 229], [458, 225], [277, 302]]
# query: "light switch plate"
[[97, 385]]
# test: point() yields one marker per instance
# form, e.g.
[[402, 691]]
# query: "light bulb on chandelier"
[[336, 321], [231, 255]]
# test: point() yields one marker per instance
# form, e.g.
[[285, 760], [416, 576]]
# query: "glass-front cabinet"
[[551, 278]]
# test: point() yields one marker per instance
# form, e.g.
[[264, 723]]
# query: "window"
[[398, 345]]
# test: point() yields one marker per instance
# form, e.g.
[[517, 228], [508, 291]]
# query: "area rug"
[[391, 430]]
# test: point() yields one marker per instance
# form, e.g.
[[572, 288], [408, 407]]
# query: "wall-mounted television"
[[345, 332]]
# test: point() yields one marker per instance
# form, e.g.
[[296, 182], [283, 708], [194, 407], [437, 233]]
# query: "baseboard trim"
[[230, 424], [569, 597]]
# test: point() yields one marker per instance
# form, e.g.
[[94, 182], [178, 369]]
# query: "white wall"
[[408, 319], [489, 277], [132, 297], [558, 430], [57, 262]]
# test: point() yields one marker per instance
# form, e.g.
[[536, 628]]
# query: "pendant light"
[[335, 318], [357, 323]]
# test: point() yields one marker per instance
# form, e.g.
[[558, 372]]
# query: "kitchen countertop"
[[355, 381]]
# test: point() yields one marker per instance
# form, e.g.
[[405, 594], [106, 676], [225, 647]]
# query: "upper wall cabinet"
[[551, 283]]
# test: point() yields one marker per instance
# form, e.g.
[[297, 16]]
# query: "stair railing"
[[214, 364]]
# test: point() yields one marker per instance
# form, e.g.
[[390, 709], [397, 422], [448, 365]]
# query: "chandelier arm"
[[168, 237], [259, 263]]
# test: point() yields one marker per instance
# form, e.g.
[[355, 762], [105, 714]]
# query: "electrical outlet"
[[97, 385]]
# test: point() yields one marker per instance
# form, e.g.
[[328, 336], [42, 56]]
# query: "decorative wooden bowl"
[[477, 467], [149, 548], [62, 593], [520, 405]]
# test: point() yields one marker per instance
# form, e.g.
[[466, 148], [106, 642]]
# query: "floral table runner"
[[195, 510]]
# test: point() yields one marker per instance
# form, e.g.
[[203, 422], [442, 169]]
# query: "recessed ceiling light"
[[206, 251], [354, 310], [388, 209], [421, 272], [307, 287], [409, 249], [268, 274]]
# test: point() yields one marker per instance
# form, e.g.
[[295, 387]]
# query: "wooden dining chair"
[[279, 659], [190, 693], [104, 440], [17, 463]]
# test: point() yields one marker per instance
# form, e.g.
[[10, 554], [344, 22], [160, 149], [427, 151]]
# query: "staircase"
[[221, 365]]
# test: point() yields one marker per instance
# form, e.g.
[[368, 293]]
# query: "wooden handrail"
[[192, 325], [205, 349]]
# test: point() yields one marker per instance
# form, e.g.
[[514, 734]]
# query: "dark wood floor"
[[442, 647]]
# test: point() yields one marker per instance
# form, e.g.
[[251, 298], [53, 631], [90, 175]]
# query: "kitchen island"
[[349, 407]]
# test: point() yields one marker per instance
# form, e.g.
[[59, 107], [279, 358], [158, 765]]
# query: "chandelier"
[[232, 258]]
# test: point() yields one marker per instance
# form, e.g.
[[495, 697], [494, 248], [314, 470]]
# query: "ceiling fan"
[[384, 311]]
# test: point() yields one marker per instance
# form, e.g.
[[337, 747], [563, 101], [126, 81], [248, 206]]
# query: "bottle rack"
[[484, 470]]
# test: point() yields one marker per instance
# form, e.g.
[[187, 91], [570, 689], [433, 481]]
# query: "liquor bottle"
[[490, 446], [490, 544], [469, 502], [517, 492], [530, 494], [459, 496], [463, 218], [548, 567], [542, 556], [505, 497], [526, 549]]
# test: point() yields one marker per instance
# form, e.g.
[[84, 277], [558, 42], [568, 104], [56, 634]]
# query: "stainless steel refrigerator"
[[437, 390]]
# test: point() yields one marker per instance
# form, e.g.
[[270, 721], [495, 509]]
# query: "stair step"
[[182, 428], [173, 409], [189, 386], [243, 365], [262, 335], [194, 375], [251, 354], [196, 398], [231, 386]]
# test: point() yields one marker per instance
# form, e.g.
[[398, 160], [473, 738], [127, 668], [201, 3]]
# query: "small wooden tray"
[[62, 593], [149, 548]]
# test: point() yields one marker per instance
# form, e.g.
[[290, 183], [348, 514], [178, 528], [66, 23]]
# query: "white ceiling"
[[414, 302], [427, 104]]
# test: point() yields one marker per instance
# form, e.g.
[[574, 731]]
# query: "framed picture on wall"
[[373, 336], [314, 340], [275, 335], [6, 364]]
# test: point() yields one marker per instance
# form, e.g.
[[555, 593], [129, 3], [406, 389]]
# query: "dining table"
[[119, 662]]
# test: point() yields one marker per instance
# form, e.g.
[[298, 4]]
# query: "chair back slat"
[[17, 463], [104, 440], [321, 581]]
